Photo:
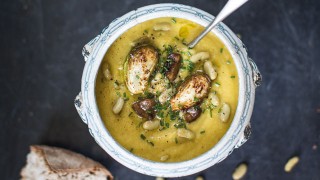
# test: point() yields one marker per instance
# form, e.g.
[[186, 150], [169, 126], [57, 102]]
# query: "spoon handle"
[[230, 7]]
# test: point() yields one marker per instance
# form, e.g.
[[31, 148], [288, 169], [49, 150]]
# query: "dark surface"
[[41, 67]]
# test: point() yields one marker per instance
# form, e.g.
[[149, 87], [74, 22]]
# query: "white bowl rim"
[[227, 143]]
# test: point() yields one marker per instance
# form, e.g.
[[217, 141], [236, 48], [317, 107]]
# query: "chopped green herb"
[[180, 124], [196, 99], [173, 114], [217, 84], [221, 50], [210, 112], [118, 94], [173, 20], [202, 132], [142, 137], [161, 114], [220, 109], [176, 140], [150, 142], [211, 106], [190, 65], [130, 114], [148, 95], [176, 38], [161, 122], [125, 97], [137, 76], [131, 150], [232, 76], [228, 62], [167, 125], [116, 83], [189, 53], [145, 31]]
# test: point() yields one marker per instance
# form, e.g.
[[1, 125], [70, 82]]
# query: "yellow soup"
[[164, 142]]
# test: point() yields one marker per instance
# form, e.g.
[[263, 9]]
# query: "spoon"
[[230, 7]]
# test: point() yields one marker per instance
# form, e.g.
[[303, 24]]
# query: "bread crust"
[[62, 163]]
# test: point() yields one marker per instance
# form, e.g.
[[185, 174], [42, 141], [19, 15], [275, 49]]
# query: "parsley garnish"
[[142, 137], [174, 20]]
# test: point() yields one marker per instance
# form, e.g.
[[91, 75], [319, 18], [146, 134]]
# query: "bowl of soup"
[[159, 107]]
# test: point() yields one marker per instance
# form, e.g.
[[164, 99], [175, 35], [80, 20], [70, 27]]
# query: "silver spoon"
[[230, 7]]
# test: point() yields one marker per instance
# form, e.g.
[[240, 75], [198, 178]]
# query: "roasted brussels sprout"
[[140, 64], [191, 91]]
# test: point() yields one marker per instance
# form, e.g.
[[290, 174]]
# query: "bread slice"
[[44, 162]]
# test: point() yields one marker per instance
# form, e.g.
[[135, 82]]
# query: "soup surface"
[[183, 124]]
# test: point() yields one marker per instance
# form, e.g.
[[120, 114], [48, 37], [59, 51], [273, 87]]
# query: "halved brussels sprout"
[[140, 64], [191, 91]]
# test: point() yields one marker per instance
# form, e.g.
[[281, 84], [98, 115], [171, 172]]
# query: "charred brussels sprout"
[[191, 92], [140, 64]]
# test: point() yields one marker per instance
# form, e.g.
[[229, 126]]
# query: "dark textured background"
[[41, 67]]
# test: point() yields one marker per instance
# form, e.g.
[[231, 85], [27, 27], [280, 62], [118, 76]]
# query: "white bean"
[[240, 171], [224, 112], [183, 73], [106, 72], [151, 125], [213, 99], [291, 164], [164, 157], [200, 56], [199, 178], [210, 70], [118, 105], [162, 26], [185, 133], [165, 95]]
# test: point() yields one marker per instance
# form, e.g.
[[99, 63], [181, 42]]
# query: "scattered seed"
[[164, 157], [314, 147], [240, 171], [199, 178], [292, 162]]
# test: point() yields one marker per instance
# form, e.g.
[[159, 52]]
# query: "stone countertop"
[[41, 67]]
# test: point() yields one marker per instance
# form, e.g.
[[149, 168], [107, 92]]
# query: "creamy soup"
[[159, 99]]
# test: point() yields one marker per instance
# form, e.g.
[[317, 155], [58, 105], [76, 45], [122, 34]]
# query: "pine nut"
[[224, 112], [210, 70], [240, 171], [185, 133], [162, 26], [200, 56], [292, 162], [151, 125], [118, 105]]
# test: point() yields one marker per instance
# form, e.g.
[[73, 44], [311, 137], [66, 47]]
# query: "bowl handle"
[[78, 103], [88, 48], [245, 135], [256, 75]]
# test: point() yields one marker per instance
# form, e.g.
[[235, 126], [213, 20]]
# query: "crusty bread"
[[44, 162]]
